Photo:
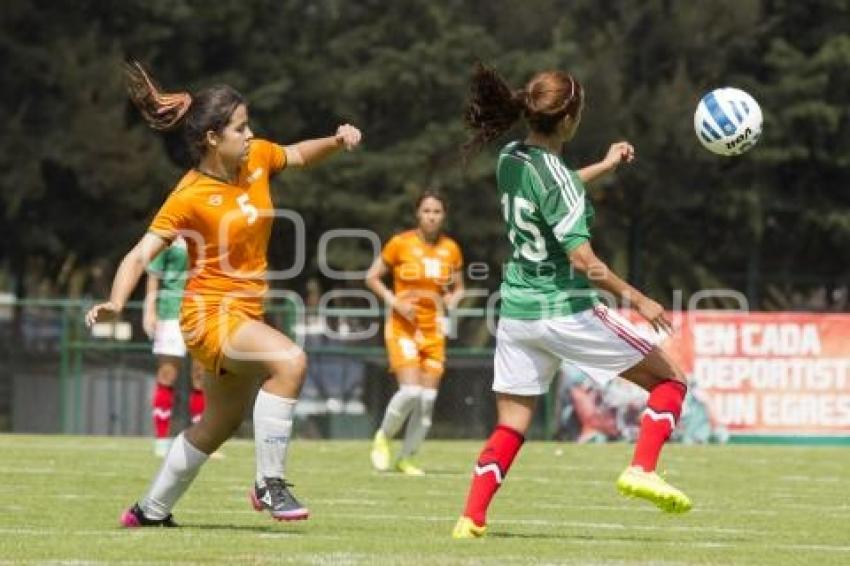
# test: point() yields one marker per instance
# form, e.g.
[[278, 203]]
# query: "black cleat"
[[134, 517], [278, 500]]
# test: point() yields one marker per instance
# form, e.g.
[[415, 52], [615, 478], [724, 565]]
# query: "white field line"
[[72, 445], [816, 506], [334, 556], [546, 522], [814, 547], [109, 532], [59, 471], [573, 504], [87, 562], [362, 502], [812, 479], [116, 531]]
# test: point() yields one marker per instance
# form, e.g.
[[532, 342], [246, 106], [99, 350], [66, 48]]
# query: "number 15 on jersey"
[[524, 235]]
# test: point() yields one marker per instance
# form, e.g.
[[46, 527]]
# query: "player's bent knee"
[[659, 365], [203, 438], [295, 368], [292, 365], [287, 376], [210, 433]]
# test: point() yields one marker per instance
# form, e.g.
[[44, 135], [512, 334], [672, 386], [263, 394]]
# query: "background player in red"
[[427, 281], [223, 208], [161, 320]]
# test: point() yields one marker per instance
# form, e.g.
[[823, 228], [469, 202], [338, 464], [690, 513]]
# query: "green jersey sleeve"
[[563, 206]]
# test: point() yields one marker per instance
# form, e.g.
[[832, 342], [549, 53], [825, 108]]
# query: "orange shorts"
[[409, 347], [208, 323]]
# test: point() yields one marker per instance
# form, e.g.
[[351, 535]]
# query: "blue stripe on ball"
[[718, 115], [735, 110], [710, 130]]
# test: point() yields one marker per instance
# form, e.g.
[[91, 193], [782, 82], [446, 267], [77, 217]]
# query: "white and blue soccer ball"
[[728, 121]]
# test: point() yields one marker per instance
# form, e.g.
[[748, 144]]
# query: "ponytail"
[[161, 110], [491, 109], [207, 110]]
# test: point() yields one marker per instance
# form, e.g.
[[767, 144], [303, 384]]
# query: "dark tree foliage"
[[80, 175]]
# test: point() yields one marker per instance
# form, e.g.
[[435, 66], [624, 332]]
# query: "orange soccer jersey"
[[422, 273], [226, 227]]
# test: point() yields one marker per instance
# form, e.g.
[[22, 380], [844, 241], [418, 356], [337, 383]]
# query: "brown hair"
[[430, 193], [208, 110], [493, 108]]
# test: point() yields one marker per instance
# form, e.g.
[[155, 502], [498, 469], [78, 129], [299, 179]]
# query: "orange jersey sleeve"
[[456, 257], [272, 154], [390, 252], [173, 217]]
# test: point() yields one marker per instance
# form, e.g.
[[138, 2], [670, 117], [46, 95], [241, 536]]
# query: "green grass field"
[[61, 497]]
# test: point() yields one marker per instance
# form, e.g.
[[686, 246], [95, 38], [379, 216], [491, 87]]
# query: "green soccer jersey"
[[171, 267], [547, 216]]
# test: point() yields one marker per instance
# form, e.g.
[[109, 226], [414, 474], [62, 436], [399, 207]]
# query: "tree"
[[771, 224]]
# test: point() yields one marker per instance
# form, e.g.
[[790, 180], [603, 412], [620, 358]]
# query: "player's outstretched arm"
[[128, 274], [309, 152], [619, 152], [585, 261]]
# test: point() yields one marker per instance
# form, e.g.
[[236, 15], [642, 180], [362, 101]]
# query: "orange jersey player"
[[227, 228], [427, 280], [421, 272], [223, 209]]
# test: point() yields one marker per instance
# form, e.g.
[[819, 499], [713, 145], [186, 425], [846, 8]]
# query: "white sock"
[[399, 408], [420, 423], [179, 468], [272, 429]]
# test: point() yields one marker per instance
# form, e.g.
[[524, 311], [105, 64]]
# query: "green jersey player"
[[167, 274], [552, 308]]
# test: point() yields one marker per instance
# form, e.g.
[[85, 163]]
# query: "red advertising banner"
[[769, 373]]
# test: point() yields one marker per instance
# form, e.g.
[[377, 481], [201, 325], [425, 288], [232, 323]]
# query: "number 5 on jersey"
[[249, 209]]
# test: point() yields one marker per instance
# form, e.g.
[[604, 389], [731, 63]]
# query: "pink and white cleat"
[[275, 497]]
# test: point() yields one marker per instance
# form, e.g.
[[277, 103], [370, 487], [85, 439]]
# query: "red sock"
[[196, 404], [662, 413], [490, 470], [163, 401]]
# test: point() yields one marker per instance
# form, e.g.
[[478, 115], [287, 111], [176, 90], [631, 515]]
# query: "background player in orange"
[[223, 208], [427, 281]]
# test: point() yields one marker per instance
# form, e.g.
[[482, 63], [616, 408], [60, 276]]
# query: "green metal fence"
[[47, 343]]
